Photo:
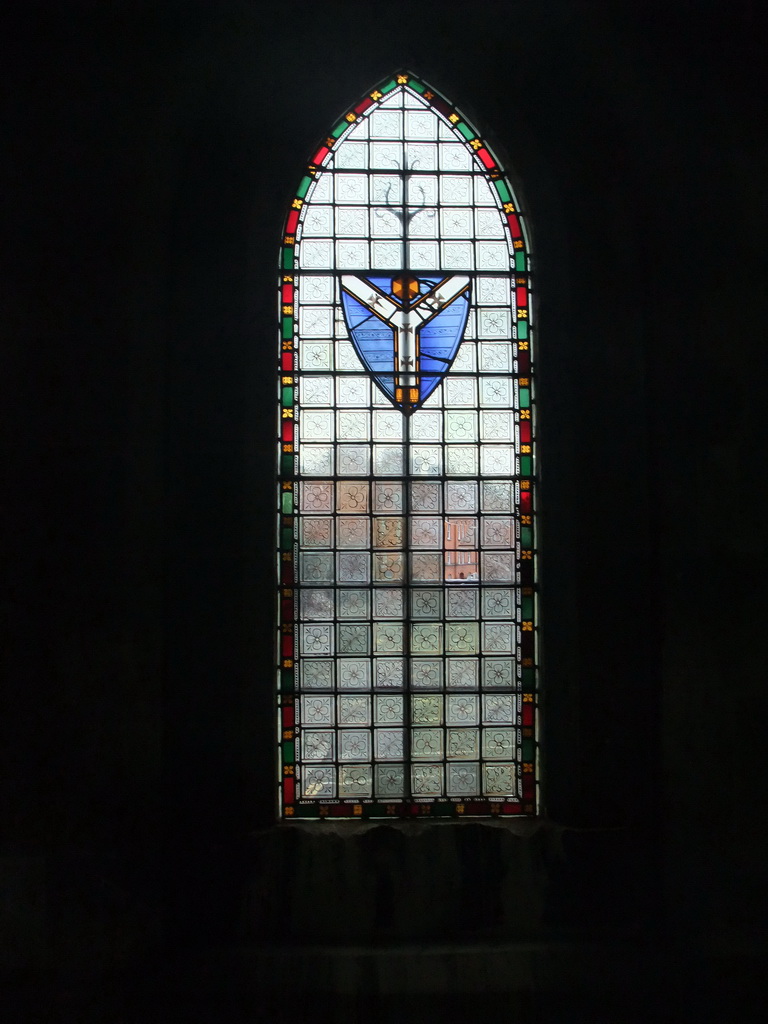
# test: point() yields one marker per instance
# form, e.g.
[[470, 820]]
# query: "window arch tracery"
[[406, 561]]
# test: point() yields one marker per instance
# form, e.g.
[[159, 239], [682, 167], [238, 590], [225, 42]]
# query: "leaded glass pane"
[[406, 558]]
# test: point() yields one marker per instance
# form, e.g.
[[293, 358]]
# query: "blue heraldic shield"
[[406, 330]]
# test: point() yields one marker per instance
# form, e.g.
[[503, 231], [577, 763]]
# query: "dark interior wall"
[[152, 152]]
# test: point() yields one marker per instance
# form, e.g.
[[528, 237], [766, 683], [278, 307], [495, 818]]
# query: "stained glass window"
[[406, 493]]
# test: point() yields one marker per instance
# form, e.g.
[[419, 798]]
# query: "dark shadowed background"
[[150, 152]]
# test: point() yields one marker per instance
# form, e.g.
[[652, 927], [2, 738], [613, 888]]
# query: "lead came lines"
[[453, 734]]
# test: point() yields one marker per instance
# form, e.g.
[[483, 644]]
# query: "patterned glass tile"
[[461, 637], [427, 779], [426, 568], [497, 460], [353, 566], [316, 356], [316, 322], [456, 222], [426, 533], [388, 532], [317, 604], [316, 533], [457, 255], [461, 460], [462, 744], [316, 289], [426, 461], [388, 637], [351, 188], [466, 358], [461, 426], [354, 604], [456, 190], [495, 391], [496, 496], [353, 532], [387, 189], [319, 221], [386, 255], [461, 708], [355, 780], [386, 124], [316, 425], [461, 603], [453, 157], [389, 673], [353, 391], [316, 675], [388, 744], [459, 391], [352, 496], [387, 497], [390, 781], [388, 709], [353, 638], [351, 220], [498, 742], [354, 674], [498, 673], [463, 779], [316, 391], [426, 604], [354, 460], [384, 224], [354, 744], [426, 673], [498, 637], [426, 744], [426, 426], [497, 532], [498, 708], [423, 255], [316, 639], [346, 357], [497, 566], [462, 673], [316, 459], [317, 497], [426, 497], [496, 426], [493, 290], [319, 782], [494, 323], [388, 460], [388, 568], [499, 780], [427, 709], [460, 497], [491, 255], [388, 603], [317, 711], [488, 225], [317, 744], [494, 357], [498, 603], [353, 426], [427, 638]]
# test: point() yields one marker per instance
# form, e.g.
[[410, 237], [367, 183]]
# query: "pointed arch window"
[[406, 561]]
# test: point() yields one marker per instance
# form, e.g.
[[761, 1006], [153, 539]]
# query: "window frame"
[[290, 805]]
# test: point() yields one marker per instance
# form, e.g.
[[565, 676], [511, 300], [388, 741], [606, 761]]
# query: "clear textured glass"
[[403, 540]]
